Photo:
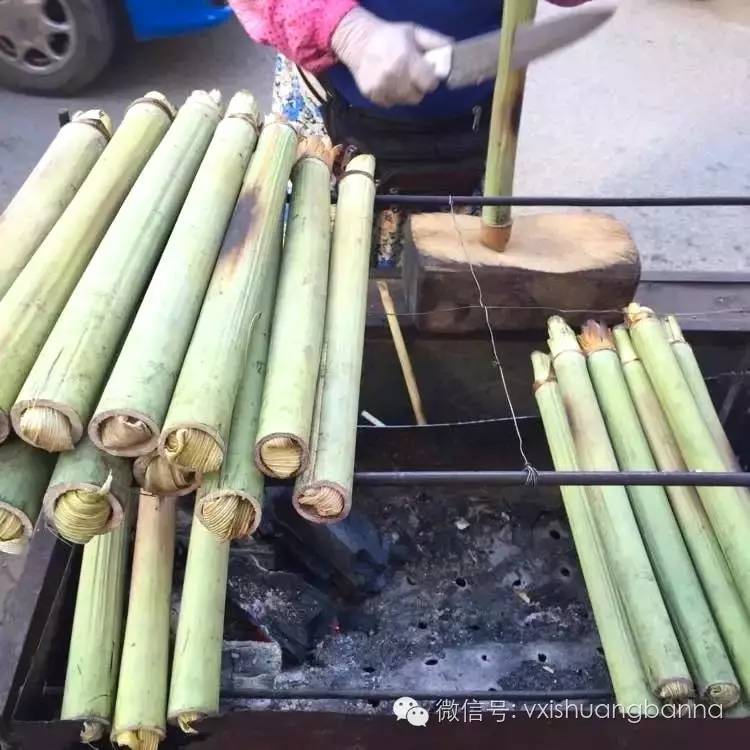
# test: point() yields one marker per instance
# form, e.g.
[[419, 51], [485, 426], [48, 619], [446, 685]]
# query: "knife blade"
[[474, 61]]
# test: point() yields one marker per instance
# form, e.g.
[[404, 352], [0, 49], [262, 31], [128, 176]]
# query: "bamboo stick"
[[660, 652], [196, 666], [87, 493], [60, 394], [710, 564], [623, 661], [323, 493], [132, 408], [691, 616], [283, 445], [195, 430], [30, 308], [96, 638], [157, 476], [694, 377], [229, 504], [141, 707], [507, 104], [48, 190], [726, 507], [24, 473]]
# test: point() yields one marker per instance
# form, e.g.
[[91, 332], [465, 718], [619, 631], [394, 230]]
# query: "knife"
[[474, 61]]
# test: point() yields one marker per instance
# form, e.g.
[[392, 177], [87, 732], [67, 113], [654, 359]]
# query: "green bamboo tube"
[[30, 308], [694, 377], [657, 643], [283, 446], [691, 616], [507, 104], [710, 563], [134, 403], [196, 665], [726, 507], [194, 435], [48, 190], [229, 504], [96, 638], [620, 652], [60, 394], [140, 720], [157, 476], [87, 493], [323, 493], [24, 473]]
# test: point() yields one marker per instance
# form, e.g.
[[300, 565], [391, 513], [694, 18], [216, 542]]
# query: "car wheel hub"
[[37, 36]]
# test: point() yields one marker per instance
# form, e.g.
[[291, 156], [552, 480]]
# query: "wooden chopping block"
[[567, 261]]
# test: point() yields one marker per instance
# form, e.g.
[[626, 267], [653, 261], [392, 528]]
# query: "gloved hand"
[[385, 58]]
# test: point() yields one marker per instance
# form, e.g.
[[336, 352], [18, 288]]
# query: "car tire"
[[92, 40]]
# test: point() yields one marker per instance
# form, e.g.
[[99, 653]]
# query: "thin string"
[[532, 473]]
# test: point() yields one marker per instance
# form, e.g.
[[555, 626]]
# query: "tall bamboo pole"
[[323, 493], [60, 393], [96, 638], [195, 429], [657, 644], [140, 719], [48, 190], [727, 508], [719, 587], [196, 666], [132, 408], [30, 308], [24, 473], [283, 445], [691, 616], [507, 105], [623, 661]]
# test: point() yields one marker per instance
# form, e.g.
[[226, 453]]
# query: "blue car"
[[58, 46]]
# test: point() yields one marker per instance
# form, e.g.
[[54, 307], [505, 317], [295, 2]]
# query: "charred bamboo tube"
[[24, 473], [141, 707], [134, 403], [710, 564], [694, 377], [623, 661], [48, 190], [727, 508], [200, 413], [87, 493], [283, 445], [323, 493], [59, 395], [196, 666], [691, 616], [507, 104], [229, 504], [94, 655], [157, 476], [657, 643], [30, 308]]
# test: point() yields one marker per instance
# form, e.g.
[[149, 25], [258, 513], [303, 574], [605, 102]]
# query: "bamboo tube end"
[[323, 502], [624, 345], [81, 511], [157, 476], [281, 455], [243, 104], [562, 337], [98, 119], [726, 694], [92, 731], [635, 313], [51, 427], [362, 163], [596, 337], [210, 99], [156, 97], [674, 331], [124, 433], [675, 689], [192, 447], [541, 365], [318, 147], [139, 739], [186, 720], [15, 529], [495, 236], [229, 514]]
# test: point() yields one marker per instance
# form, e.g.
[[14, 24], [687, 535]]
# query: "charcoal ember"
[[285, 608]]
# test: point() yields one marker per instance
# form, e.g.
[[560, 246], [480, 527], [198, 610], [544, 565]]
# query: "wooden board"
[[572, 261]]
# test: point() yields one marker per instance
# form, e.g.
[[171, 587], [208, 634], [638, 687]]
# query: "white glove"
[[387, 59]]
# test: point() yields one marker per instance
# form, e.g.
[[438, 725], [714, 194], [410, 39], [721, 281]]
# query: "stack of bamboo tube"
[[666, 568]]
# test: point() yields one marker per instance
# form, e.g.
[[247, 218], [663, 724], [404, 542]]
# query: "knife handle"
[[441, 60]]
